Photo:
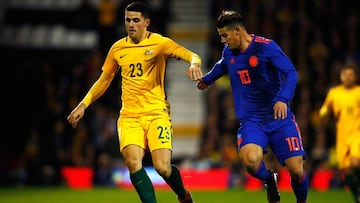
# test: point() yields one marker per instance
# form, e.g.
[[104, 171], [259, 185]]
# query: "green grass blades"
[[117, 195]]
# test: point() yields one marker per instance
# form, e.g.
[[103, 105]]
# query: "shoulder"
[[158, 37], [262, 40], [357, 88], [119, 43], [336, 89], [265, 43]]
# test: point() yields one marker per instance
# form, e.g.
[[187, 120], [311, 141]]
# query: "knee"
[[164, 170], [295, 167], [250, 160], [355, 163], [296, 173], [133, 164]]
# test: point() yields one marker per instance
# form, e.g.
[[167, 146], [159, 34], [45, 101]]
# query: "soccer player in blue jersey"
[[263, 81]]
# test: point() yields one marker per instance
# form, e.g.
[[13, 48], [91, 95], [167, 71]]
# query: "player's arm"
[[173, 49], [194, 71], [284, 66], [282, 63], [218, 70], [95, 92], [326, 108], [97, 89]]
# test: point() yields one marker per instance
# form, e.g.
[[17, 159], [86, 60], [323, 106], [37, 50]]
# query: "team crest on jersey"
[[232, 61], [253, 61], [149, 52]]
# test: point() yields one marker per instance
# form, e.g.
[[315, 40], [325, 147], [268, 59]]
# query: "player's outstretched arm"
[[325, 113], [95, 92]]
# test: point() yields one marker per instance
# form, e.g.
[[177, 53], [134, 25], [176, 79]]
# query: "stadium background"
[[51, 51]]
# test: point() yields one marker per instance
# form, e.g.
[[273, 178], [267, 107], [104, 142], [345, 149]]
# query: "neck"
[[348, 86], [245, 42], [141, 38]]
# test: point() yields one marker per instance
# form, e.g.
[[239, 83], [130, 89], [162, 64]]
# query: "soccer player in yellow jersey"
[[343, 101], [144, 120]]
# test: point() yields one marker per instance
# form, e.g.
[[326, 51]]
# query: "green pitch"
[[116, 195]]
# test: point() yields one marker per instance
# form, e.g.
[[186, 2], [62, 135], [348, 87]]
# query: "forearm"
[[287, 93], [218, 70], [97, 89], [323, 112], [195, 60], [186, 55]]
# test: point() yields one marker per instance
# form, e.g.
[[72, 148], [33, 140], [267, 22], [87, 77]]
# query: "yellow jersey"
[[345, 105], [143, 68]]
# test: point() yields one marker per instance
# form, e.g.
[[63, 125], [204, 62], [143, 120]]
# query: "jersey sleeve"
[[109, 69], [287, 70], [219, 69], [173, 49], [110, 65], [325, 107]]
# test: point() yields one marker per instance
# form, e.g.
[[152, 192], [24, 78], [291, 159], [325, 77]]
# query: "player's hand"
[[194, 72], [280, 110], [201, 85], [76, 115]]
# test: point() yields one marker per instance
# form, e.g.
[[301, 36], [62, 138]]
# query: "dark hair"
[[229, 18], [352, 67], [139, 7]]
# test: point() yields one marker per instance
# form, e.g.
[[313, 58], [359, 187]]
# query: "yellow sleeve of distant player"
[[180, 52], [325, 108], [323, 111]]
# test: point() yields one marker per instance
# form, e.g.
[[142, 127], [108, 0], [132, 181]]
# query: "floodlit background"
[[52, 51]]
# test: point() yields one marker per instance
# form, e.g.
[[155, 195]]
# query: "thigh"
[[342, 151], [250, 133], [160, 133], [355, 146], [286, 140], [130, 132]]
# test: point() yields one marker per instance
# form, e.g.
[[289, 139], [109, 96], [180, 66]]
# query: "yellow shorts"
[[355, 146], [350, 150], [153, 132]]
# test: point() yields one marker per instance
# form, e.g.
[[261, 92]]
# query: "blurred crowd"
[[318, 36]]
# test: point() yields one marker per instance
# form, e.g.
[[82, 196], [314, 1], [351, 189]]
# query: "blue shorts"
[[283, 137]]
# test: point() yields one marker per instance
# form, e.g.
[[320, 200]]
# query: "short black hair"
[[139, 7], [350, 66], [229, 18]]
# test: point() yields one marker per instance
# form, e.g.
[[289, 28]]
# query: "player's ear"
[[147, 22], [237, 29]]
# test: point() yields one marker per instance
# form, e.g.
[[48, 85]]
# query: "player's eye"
[[136, 20], [223, 35]]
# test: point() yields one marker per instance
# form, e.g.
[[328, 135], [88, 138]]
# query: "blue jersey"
[[259, 77]]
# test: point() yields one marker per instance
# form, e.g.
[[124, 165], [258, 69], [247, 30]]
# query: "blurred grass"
[[116, 195]]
